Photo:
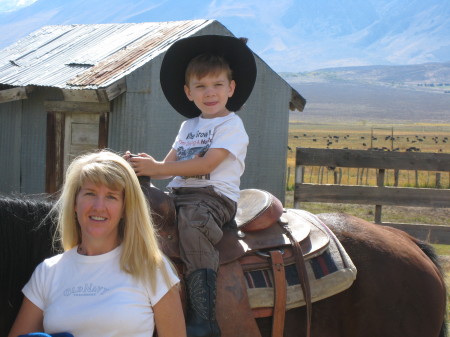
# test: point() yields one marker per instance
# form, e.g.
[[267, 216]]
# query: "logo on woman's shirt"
[[88, 289]]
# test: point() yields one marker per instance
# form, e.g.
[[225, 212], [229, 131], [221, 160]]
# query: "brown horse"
[[399, 289]]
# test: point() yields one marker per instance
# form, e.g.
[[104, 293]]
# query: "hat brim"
[[173, 68]]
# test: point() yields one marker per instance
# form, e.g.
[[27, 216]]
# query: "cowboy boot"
[[201, 304]]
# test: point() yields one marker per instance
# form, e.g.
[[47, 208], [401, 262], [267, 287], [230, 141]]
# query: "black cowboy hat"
[[234, 50]]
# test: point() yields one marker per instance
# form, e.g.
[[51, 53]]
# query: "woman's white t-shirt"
[[91, 296]]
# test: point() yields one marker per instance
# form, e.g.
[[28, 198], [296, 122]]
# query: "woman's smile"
[[99, 210]]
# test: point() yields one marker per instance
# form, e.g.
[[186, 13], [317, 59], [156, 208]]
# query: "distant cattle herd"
[[364, 141]]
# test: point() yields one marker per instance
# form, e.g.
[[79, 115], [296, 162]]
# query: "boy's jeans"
[[201, 214]]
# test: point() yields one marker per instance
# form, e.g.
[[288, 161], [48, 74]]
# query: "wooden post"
[[396, 173], [320, 176], [392, 139], [380, 182], [438, 180], [299, 176], [288, 177]]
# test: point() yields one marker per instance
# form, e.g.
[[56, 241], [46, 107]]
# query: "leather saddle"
[[259, 225], [263, 235]]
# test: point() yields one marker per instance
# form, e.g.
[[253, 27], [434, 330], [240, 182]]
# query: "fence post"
[[396, 174], [299, 175], [288, 177], [438, 180], [380, 182]]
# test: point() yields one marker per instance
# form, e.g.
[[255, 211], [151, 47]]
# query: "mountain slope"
[[391, 94], [405, 75]]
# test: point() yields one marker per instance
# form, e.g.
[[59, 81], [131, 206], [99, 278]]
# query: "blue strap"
[[43, 334]]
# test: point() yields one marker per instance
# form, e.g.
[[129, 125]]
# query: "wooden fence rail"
[[379, 195]]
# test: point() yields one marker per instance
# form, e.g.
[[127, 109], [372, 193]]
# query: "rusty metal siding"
[[134, 54], [23, 127], [10, 135], [141, 119], [88, 56], [33, 145], [266, 119]]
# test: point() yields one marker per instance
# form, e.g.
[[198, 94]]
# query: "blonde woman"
[[112, 279]]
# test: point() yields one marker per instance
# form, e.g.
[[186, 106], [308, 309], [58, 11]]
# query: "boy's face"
[[210, 94]]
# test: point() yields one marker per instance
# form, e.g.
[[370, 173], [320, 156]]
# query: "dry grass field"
[[433, 138]]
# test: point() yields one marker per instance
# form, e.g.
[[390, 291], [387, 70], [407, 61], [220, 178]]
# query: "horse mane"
[[431, 253], [24, 222]]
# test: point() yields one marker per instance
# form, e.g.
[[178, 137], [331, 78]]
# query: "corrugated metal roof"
[[88, 56]]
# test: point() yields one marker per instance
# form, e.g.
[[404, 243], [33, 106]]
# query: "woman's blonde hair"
[[141, 256]]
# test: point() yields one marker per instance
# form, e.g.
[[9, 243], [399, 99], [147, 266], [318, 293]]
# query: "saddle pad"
[[329, 273]]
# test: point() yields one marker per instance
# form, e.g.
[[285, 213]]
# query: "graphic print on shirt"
[[196, 144], [87, 289]]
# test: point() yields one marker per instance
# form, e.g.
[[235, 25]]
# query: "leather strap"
[[303, 276], [280, 290], [233, 311]]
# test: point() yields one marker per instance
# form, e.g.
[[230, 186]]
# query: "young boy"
[[205, 78]]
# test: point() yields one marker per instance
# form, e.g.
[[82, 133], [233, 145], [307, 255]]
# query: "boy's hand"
[[127, 155], [144, 165]]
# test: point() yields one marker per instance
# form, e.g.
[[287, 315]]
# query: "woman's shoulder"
[[58, 258]]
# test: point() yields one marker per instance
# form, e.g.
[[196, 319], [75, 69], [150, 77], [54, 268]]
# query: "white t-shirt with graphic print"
[[91, 296], [197, 135]]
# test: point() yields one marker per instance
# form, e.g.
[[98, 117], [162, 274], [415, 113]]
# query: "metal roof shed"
[[72, 88]]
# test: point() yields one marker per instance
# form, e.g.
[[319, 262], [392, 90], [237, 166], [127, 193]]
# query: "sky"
[[10, 5], [289, 35]]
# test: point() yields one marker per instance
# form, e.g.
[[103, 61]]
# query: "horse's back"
[[399, 291]]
